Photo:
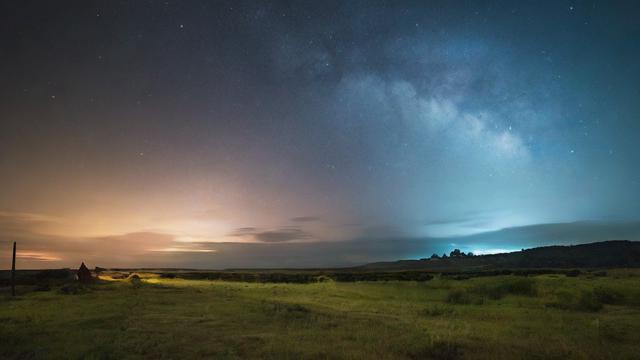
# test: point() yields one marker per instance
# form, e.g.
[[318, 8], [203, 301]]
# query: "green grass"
[[502, 317]]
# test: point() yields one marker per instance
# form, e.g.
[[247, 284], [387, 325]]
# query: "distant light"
[[491, 251], [36, 256]]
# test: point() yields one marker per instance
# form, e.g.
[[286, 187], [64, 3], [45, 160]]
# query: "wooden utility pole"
[[13, 271]]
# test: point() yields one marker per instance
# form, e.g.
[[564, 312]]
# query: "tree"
[[456, 253], [435, 256], [444, 255]]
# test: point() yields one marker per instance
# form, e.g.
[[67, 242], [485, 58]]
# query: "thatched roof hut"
[[84, 274]]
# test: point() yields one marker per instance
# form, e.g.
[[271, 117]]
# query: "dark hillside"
[[606, 254]]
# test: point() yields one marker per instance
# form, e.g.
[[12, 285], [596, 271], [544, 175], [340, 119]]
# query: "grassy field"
[[499, 317]]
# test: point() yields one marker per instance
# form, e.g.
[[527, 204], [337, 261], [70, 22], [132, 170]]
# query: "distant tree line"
[[301, 277], [456, 253]]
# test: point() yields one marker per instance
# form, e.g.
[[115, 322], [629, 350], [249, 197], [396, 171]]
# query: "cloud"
[[284, 247], [25, 218], [555, 234], [36, 256], [19, 223], [282, 234], [183, 249], [244, 231], [468, 222], [305, 218], [454, 221]]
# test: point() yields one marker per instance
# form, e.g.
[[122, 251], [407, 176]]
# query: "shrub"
[[607, 295], [323, 278], [286, 311], [615, 331], [73, 288], [118, 276], [511, 285], [572, 273], [588, 301], [437, 310], [135, 281], [520, 286], [42, 286], [461, 277], [439, 349], [446, 350], [563, 300], [458, 296]]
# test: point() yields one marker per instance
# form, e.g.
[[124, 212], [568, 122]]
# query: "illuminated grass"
[[176, 318]]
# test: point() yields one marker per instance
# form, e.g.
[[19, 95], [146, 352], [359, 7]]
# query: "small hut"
[[84, 274]]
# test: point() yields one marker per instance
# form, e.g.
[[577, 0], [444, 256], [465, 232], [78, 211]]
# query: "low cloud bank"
[[279, 248]]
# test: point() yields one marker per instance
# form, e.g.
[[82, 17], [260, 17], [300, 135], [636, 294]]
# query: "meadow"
[[550, 316]]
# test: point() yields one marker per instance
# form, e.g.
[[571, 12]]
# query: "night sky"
[[223, 134]]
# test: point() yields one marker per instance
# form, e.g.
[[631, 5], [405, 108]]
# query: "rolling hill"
[[605, 254]]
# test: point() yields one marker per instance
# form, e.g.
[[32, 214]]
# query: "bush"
[[607, 295], [572, 273], [286, 310], [135, 281], [119, 276], [42, 286], [73, 288], [615, 331], [508, 286], [461, 277], [563, 300], [588, 301], [458, 296], [520, 286], [439, 349], [437, 310], [323, 278]]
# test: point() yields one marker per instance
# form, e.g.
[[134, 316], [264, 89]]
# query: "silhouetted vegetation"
[[299, 277], [606, 254], [493, 290], [459, 296], [74, 288]]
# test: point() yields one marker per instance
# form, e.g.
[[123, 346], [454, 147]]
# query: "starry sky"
[[226, 134]]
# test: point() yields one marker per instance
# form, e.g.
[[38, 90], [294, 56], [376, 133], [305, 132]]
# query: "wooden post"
[[13, 271]]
